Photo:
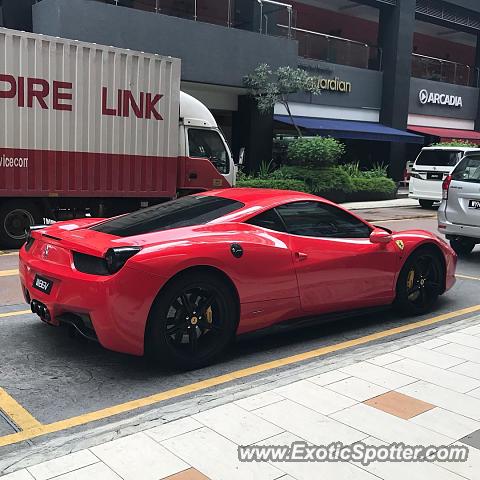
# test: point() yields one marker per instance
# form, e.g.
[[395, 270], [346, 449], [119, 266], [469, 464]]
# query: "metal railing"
[[264, 17], [437, 69], [219, 12], [329, 48]]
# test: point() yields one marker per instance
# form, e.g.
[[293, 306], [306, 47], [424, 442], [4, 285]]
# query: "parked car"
[[431, 167], [459, 213], [181, 279]]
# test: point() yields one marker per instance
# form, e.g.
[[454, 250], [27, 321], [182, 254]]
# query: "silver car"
[[459, 213]]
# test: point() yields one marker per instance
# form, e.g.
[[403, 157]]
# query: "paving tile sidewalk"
[[427, 393]]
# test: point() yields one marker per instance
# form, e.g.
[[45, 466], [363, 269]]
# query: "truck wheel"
[[462, 246], [426, 203], [15, 217]]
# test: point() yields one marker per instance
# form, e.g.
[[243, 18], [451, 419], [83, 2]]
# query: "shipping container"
[[90, 128]]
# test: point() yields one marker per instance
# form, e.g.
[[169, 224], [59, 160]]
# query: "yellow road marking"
[[14, 314], [8, 273], [220, 380], [467, 277], [21, 417], [8, 254]]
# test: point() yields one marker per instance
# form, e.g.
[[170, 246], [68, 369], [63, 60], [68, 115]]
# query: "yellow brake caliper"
[[209, 315], [410, 279]]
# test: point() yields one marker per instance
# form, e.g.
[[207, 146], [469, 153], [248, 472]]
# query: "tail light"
[[117, 257], [446, 186]]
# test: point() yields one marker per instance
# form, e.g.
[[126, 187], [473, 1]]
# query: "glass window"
[[468, 170], [317, 219], [268, 219], [184, 212], [439, 158], [208, 144]]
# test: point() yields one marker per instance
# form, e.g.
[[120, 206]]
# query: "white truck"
[[86, 127]]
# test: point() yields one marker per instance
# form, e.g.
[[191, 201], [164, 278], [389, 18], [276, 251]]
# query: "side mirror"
[[380, 236], [241, 156]]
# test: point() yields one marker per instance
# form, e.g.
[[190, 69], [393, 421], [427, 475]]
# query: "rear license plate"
[[42, 284], [474, 204], [435, 176]]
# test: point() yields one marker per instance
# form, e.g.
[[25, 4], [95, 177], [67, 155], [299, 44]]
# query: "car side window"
[[268, 219], [468, 170], [204, 143], [317, 219]]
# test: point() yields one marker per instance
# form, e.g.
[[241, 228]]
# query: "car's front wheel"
[[462, 246], [193, 321], [420, 282]]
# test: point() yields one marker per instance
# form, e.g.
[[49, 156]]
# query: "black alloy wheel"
[[420, 282], [192, 322]]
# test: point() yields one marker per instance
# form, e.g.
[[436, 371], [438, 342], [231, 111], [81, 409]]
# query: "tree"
[[269, 87]]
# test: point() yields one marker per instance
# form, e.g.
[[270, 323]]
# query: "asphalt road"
[[56, 377]]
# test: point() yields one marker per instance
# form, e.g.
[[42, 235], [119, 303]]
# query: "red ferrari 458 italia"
[[180, 279]]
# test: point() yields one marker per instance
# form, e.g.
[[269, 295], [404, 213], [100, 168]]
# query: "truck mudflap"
[[199, 174]]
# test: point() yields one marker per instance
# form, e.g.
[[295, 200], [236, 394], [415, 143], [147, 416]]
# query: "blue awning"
[[350, 129]]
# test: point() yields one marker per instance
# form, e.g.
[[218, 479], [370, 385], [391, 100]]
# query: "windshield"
[[468, 170], [184, 212], [439, 158], [204, 143]]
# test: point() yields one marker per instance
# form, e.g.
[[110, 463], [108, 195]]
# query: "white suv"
[[459, 213], [431, 167]]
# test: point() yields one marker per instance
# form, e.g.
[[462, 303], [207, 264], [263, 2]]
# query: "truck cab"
[[205, 160]]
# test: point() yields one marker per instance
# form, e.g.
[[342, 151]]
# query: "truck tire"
[[428, 204], [15, 217], [462, 245]]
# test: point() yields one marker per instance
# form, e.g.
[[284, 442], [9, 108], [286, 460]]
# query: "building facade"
[[394, 74]]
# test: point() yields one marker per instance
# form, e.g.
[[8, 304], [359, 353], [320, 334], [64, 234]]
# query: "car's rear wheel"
[[193, 321], [426, 203], [462, 246], [420, 282]]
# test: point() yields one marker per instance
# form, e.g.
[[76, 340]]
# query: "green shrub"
[[265, 169], [316, 151], [353, 170], [373, 188], [319, 181], [280, 184], [455, 143]]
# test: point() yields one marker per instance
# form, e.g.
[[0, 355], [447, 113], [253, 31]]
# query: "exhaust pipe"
[[41, 310]]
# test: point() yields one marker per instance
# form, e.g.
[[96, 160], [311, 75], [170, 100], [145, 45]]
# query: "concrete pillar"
[[254, 131], [396, 28]]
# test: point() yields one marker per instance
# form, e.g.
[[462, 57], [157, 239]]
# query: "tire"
[[426, 203], [462, 246], [420, 282], [15, 217], [192, 321]]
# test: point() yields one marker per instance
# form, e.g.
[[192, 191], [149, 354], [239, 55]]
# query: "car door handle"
[[192, 176], [301, 256]]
